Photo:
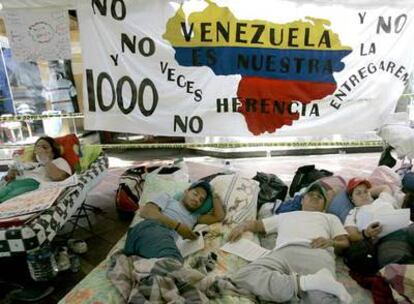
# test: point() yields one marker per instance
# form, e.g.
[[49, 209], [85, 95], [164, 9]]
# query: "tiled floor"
[[108, 228]]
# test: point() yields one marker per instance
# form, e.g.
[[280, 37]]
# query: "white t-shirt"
[[303, 225], [384, 202], [39, 173]]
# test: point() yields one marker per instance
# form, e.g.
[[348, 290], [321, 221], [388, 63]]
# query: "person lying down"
[[47, 166], [166, 217], [302, 265]]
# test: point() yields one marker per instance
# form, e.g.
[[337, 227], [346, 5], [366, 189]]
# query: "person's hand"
[[373, 230], [186, 232], [322, 242], [42, 157], [236, 233], [11, 174]]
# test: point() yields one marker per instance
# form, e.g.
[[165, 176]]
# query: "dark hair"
[[55, 146], [408, 200]]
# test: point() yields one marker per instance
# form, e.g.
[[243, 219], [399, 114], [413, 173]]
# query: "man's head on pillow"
[[315, 198], [198, 198], [358, 191]]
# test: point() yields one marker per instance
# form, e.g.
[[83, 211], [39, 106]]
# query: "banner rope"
[[373, 143], [39, 117]]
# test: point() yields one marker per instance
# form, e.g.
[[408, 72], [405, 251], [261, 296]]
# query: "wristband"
[[178, 226], [364, 235]]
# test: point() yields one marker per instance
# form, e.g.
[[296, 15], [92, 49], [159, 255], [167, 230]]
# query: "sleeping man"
[[302, 265], [167, 217]]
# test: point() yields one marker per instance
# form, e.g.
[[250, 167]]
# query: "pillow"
[[89, 154], [334, 182], [70, 150], [239, 196], [385, 175], [156, 184], [340, 206]]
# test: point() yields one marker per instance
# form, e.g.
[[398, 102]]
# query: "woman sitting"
[[47, 166], [369, 251]]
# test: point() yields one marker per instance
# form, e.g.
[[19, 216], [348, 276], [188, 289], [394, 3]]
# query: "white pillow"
[[239, 196]]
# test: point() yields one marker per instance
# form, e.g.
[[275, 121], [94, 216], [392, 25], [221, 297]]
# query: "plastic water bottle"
[[17, 165], [42, 264], [74, 263]]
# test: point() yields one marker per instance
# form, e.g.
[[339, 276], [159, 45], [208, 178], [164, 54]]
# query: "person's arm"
[[253, 226], [370, 232], [153, 212], [339, 242], [54, 173], [216, 215], [377, 190]]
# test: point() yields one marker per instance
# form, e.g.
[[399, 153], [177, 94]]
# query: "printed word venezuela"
[[283, 67]]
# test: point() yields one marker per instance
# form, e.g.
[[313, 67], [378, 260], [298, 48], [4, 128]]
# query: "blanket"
[[166, 280]]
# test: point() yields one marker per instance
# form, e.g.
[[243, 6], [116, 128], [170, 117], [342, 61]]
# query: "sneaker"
[[77, 246], [63, 260], [31, 294]]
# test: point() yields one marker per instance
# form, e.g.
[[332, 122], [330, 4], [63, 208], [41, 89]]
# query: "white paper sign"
[[245, 249], [38, 34], [391, 220]]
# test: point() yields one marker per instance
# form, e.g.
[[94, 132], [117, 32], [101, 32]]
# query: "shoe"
[[63, 260], [8, 287], [31, 294], [77, 246]]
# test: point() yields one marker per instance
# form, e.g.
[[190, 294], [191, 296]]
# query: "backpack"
[[271, 188], [361, 257], [386, 159], [129, 191], [306, 175]]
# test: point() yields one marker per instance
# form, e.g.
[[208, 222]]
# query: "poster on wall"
[[243, 68], [26, 85], [59, 89], [6, 98], [38, 34]]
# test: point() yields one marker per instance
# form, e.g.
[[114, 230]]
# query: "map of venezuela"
[[280, 64]]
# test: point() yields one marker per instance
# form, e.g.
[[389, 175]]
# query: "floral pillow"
[[239, 196]]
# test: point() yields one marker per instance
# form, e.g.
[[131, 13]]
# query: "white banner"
[[38, 34], [243, 68]]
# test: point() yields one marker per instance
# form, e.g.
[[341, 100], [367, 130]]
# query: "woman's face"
[[42, 147], [361, 196]]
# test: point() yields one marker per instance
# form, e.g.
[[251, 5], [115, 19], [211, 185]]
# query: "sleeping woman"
[[47, 166]]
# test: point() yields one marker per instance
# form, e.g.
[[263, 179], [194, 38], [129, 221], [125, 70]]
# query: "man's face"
[[313, 201], [194, 198], [361, 195]]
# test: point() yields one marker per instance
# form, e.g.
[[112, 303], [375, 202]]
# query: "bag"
[[306, 175], [361, 257], [131, 185], [271, 188], [129, 191], [386, 158]]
